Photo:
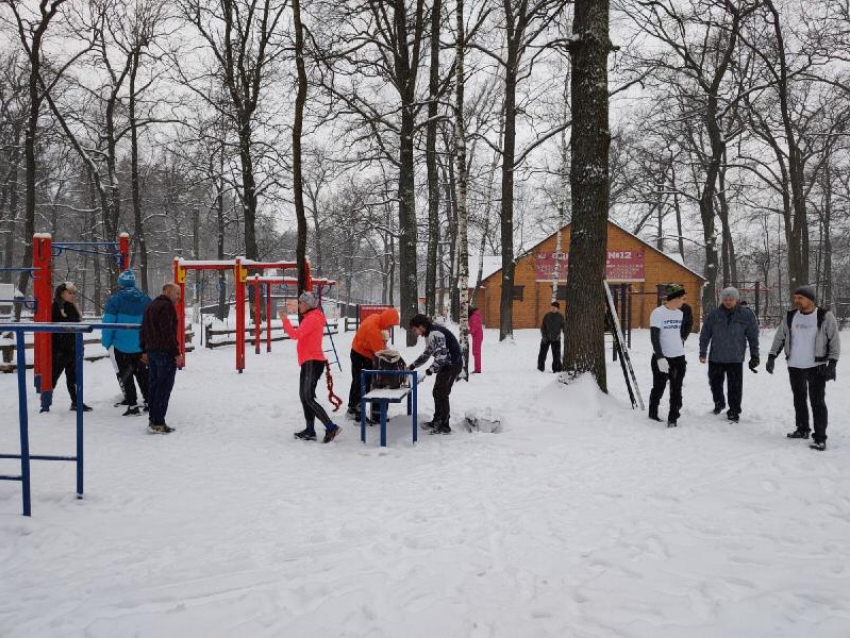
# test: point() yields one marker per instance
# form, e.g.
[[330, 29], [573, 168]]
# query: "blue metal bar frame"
[[78, 329], [114, 248], [18, 269], [412, 403]]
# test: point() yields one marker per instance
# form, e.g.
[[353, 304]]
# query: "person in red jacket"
[[368, 340], [311, 358], [476, 331]]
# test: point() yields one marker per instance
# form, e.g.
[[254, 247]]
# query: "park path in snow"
[[582, 518]]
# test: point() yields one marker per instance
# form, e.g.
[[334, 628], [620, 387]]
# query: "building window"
[[518, 293], [561, 295]]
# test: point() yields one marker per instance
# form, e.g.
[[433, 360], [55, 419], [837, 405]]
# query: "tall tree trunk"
[[408, 285], [431, 164], [506, 304], [462, 214], [297, 127], [135, 187], [590, 187], [249, 189]]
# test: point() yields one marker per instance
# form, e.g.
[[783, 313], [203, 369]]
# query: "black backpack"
[[389, 360]]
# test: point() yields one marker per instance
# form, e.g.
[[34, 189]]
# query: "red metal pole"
[[124, 247], [239, 277], [42, 286], [268, 317], [180, 280], [258, 317]]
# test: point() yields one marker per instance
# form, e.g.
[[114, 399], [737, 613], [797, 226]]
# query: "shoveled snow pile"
[[581, 518]]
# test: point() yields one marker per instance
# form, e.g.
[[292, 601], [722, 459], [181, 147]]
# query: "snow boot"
[[798, 434], [306, 435], [331, 433], [428, 425], [820, 446], [718, 408], [653, 416], [132, 410], [159, 429], [672, 423], [86, 408], [732, 417], [441, 429]]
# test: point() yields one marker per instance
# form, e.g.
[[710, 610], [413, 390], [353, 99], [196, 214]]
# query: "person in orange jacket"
[[311, 358], [368, 340]]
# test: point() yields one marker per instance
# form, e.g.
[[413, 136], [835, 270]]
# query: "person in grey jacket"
[[551, 330], [728, 329], [809, 336]]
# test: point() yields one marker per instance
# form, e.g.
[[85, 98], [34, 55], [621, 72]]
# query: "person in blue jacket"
[[127, 306]]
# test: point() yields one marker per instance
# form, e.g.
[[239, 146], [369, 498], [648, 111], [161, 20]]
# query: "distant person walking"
[[668, 358], [476, 332], [158, 340], [727, 330], [809, 336], [368, 340], [311, 358], [127, 306], [443, 347], [63, 346], [551, 330]]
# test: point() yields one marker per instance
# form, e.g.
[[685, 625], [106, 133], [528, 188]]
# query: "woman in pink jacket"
[[311, 358], [476, 331]]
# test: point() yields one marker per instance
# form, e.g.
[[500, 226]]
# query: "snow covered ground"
[[582, 518]]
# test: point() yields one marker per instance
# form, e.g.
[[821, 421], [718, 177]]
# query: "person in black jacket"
[[687, 321], [158, 339], [64, 348], [550, 337]]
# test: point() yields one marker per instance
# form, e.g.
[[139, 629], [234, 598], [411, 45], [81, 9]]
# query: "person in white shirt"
[[668, 354], [809, 336]]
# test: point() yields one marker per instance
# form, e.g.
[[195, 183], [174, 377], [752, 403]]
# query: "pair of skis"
[[623, 351]]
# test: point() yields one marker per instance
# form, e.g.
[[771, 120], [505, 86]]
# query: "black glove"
[[410, 368], [429, 372], [771, 362], [754, 363], [828, 371]]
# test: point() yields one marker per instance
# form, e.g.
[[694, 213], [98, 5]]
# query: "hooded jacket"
[[552, 327], [125, 306], [309, 335], [827, 341], [368, 339], [442, 345]]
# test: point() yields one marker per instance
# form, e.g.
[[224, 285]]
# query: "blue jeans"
[[161, 371]]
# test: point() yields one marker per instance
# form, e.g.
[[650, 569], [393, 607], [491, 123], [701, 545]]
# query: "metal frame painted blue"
[[30, 303], [83, 247], [20, 329], [383, 403]]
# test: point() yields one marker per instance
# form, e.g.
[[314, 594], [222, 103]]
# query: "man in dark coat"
[[158, 338], [728, 329], [551, 330]]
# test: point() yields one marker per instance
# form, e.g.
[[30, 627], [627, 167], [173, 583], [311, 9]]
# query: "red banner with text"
[[621, 266]]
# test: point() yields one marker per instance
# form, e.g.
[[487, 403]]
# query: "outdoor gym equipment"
[[44, 250], [240, 268], [20, 329]]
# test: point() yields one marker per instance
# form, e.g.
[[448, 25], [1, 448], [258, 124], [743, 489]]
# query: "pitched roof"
[[528, 252]]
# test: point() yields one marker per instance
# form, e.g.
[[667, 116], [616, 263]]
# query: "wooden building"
[[631, 261]]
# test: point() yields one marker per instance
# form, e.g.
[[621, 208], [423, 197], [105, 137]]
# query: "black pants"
[[443, 383], [162, 370], [311, 372], [545, 345], [807, 383], [358, 364], [733, 374], [65, 362], [676, 376], [130, 367]]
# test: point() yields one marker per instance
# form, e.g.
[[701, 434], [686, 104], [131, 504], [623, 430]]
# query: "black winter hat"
[[806, 291]]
